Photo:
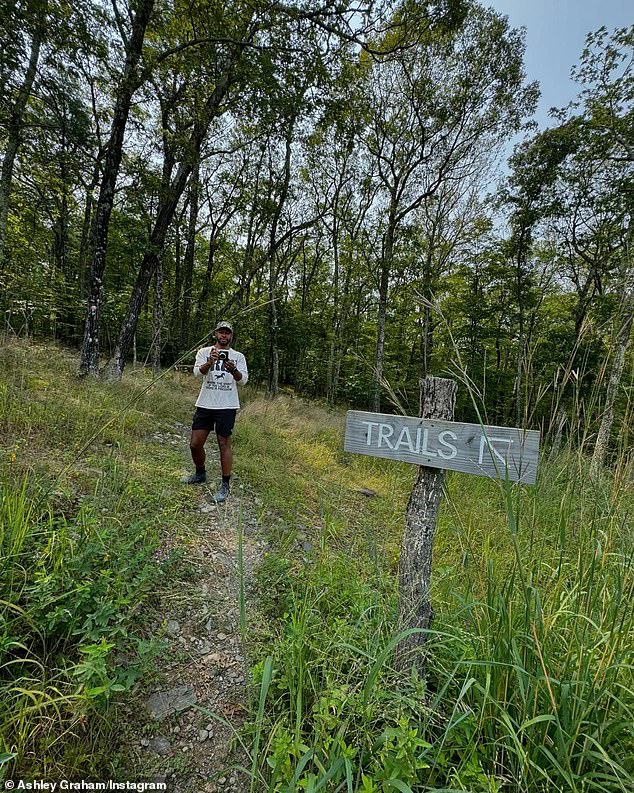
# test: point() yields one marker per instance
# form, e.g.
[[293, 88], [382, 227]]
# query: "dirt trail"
[[175, 738]]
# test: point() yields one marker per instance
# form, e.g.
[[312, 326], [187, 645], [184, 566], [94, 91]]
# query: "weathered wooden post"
[[435, 443], [438, 399]]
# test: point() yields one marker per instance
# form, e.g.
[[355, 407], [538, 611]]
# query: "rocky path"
[[181, 731]]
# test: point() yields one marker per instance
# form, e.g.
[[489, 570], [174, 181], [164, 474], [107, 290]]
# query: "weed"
[[528, 674], [80, 554], [528, 668]]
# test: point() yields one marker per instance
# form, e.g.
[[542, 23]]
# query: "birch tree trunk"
[[415, 608]]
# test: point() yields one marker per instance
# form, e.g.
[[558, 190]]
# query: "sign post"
[[435, 443]]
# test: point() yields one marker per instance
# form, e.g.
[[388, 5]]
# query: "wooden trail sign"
[[435, 443], [495, 452]]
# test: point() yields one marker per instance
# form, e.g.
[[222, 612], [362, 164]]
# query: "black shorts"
[[220, 420]]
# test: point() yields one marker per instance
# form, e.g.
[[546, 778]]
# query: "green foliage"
[[527, 676], [69, 589], [437, 87], [75, 571]]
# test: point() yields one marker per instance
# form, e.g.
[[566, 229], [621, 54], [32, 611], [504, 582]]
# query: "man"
[[221, 369]]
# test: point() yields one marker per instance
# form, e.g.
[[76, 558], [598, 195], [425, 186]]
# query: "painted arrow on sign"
[[495, 452]]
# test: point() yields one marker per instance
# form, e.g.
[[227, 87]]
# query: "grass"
[[528, 677], [87, 503]]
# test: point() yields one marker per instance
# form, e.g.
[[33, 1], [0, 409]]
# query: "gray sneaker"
[[222, 494], [194, 479]]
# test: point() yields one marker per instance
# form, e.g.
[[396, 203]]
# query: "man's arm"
[[238, 369], [244, 372], [204, 362]]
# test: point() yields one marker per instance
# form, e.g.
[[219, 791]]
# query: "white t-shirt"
[[219, 390]]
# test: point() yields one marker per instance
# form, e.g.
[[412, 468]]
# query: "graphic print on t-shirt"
[[218, 377]]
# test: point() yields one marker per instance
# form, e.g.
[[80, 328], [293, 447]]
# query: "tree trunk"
[[624, 329], [333, 356], [157, 318], [616, 372], [274, 355], [167, 207], [178, 282], [377, 370], [89, 360], [14, 138], [427, 292], [415, 609], [426, 344], [384, 285], [86, 235], [65, 301], [209, 271], [165, 213], [189, 257], [522, 350]]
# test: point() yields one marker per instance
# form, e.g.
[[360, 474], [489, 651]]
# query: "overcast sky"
[[555, 36]]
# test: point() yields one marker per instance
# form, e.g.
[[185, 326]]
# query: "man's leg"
[[226, 454], [197, 449], [226, 464]]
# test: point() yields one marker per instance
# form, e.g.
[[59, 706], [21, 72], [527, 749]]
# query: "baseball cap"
[[224, 324]]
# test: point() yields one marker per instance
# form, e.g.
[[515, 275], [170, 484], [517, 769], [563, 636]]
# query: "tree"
[[26, 22], [165, 212], [432, 110], [239, 45], [130, 80], [45, 130], [536, 166], [607, 69], [343, 194]]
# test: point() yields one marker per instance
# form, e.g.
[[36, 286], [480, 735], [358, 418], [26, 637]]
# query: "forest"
[[360, 190], [330, 178]]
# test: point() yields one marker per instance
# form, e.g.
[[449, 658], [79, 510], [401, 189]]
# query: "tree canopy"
[[330, 177]]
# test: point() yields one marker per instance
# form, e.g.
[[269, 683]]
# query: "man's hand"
[[231, 367], [211, 360]]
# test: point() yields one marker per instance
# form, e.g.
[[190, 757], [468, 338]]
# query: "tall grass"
[[527, 682], [528, 679], [78, 529]]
